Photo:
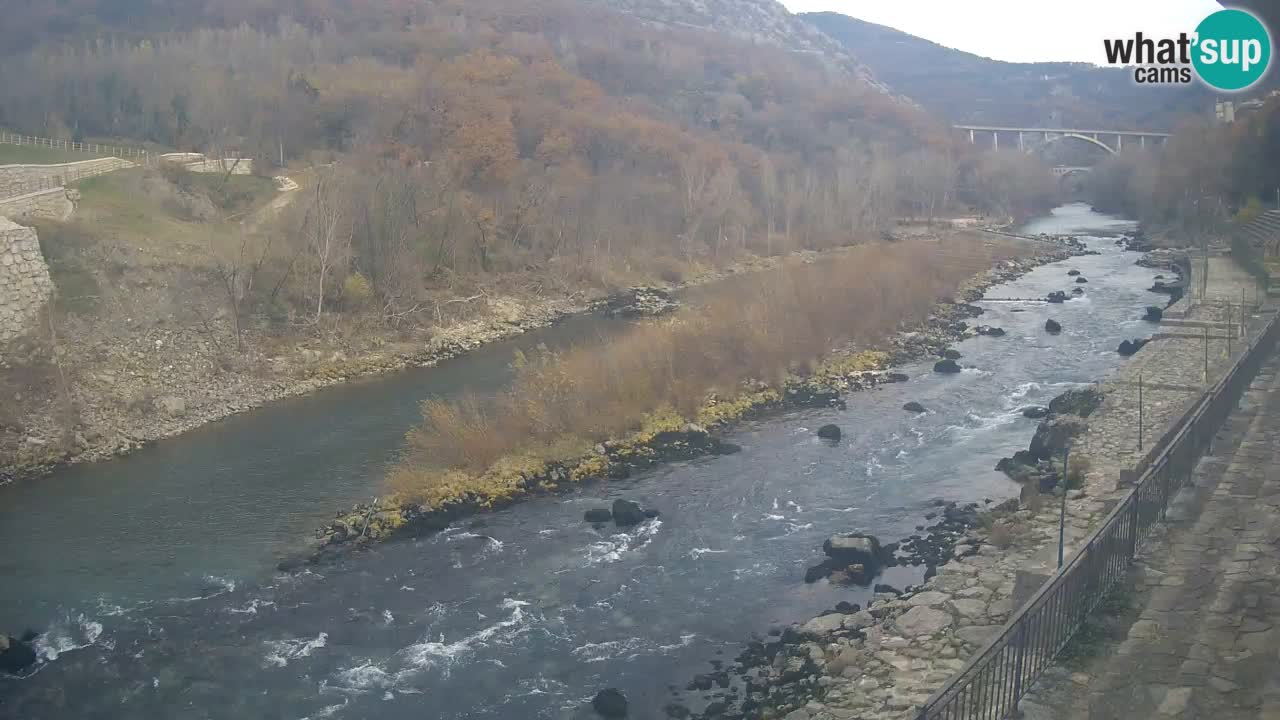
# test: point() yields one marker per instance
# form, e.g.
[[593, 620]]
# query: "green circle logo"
[[1233, 50]]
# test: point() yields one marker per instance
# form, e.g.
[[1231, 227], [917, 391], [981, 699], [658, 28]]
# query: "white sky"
[[1024, 30]]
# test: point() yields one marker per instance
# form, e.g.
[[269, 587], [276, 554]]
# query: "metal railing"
[[992, 682], [121, 151]]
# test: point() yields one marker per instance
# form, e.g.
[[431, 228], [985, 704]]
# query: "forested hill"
[[589, 135], [966, 88]]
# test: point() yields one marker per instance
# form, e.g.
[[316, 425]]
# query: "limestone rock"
[[171, 405], [823, 625], [922, 620], [976, 635]]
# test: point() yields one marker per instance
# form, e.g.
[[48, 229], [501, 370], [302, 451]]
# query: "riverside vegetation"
[[791, 337]]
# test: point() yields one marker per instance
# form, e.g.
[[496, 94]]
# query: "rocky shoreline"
[[674, 438], [883, 661], [173, 397]]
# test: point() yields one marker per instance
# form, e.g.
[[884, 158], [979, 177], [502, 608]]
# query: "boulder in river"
[[914, 407], [1077, 291], [856, 548], [1053, 327], [950, 354], [1081, 401], [1154, 313], [15, 655], [610, 703], [598, 515], [1081, 280], [1073, 273], [1035, 412], [627, 512], [1019, 468], [829, 432], [1057, 297], [1129, 348], [946, 367], [1053, 436], [988, 331]]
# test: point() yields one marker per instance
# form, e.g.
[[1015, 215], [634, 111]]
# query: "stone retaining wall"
[[23, 179], [25, 285], [54, 204], [200, 163]]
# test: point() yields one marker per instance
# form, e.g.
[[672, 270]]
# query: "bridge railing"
[[994, 680]]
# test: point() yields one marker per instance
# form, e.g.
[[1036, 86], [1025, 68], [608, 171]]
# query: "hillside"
[[966, 88], [468, 168]]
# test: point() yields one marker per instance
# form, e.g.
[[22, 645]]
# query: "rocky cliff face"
[[762, 21]]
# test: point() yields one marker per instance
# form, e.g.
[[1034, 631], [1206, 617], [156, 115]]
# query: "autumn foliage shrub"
[[758, 327]]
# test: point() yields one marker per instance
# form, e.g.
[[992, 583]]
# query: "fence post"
[[1062, 515], [1140, 413], [1133, 526], [1019, 662], [1206, 354]]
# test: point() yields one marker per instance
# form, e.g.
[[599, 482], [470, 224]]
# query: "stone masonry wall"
[[200, 163], [25, 285], [22, 179], [54, 204]]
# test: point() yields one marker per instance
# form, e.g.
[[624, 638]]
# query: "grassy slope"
[[121, 206], [34, 155], [125, 231]]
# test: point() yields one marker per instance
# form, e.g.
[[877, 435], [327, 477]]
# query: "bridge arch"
[[1078, 136]]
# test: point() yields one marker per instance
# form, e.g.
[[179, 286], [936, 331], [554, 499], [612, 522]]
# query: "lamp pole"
[[1062, 512]]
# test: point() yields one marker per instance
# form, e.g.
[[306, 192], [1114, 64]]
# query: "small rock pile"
[[640, 302]]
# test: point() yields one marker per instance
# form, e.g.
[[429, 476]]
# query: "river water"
[[152, 574]]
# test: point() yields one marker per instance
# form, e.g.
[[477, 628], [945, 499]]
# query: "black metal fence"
[[990, 685]]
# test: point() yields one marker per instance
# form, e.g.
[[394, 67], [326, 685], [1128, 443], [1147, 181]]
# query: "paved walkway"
[[1204, 641]]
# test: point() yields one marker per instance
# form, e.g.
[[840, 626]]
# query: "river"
[[152, 573]]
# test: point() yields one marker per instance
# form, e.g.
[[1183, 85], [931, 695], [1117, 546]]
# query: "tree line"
[[472, 139], [1204, 177]]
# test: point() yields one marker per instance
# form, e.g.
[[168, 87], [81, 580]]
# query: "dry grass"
[[758, 328]]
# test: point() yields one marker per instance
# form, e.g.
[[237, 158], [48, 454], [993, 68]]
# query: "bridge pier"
[[1021, 146]]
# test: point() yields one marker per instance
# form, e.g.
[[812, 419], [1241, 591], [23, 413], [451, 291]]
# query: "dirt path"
[[288, 192]]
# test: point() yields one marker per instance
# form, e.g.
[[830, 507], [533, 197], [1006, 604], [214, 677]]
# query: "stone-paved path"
[[1205, 642]]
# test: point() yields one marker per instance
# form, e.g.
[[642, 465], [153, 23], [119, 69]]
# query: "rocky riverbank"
[[885, 660], [669, 437], [158, 380]]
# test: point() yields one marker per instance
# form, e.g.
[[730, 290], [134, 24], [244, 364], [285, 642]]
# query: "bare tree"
[[236, 273], [323, 232]]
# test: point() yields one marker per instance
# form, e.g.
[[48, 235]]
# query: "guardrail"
[[995, 678], [128, 153]]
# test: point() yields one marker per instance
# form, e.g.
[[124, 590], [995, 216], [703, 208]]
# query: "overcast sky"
[[1024, 30]]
